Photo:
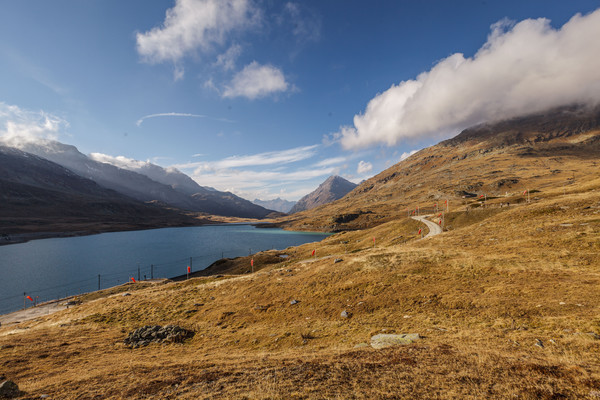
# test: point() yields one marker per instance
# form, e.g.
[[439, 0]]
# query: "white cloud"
[[251, 183], [330, 161], [364, 167], [119, 161], [522, 68], [306, 25], [17, 124], [227, 59], [260, 159], [405, 155], [195, 25], [169, 114], [256, 81]]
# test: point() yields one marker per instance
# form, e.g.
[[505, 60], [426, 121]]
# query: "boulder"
[[387, 340], [9, 390]]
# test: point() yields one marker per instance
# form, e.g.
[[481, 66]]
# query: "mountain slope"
[[175, 192], [167, 176], [542, 152], [335, 187], [37, 194]]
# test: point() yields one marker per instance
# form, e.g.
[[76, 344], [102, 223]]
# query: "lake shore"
[[66, 230]]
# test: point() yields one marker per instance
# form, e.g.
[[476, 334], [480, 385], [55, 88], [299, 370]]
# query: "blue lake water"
[[55, 268]]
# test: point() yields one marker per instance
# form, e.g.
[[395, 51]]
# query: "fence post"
[[98, 281], [139, 277], [151, 271]]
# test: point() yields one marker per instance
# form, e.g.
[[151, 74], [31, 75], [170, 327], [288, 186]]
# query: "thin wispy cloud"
[[331, 161], [174, 114], [364, 167], [523, 68], [253, 160], [264, 174], [227, 60], [252, 183]]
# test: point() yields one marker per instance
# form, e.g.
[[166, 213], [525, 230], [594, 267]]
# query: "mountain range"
[[145, 182], [277, 204], [40, 195]]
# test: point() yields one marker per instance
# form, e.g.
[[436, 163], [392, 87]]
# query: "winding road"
[[434, 229]]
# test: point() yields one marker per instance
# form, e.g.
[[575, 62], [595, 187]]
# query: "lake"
[[55, 268]]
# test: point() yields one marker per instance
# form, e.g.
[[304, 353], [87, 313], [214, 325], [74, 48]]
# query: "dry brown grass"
[[481, 294]]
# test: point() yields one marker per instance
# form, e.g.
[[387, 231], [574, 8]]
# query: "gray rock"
[[126, 294], [157, 334], [387, 340], [539, 343], [337, 260], [9, 389], [345, 314], [293, 302]]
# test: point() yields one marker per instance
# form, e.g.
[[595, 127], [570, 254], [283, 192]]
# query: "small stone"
[[407, 316], [126, 294], [594, 335], [44, 396], [345, 314], [562, 303], [539, 343], [387, 340], [9, 389], [293, 302], [337, 260]]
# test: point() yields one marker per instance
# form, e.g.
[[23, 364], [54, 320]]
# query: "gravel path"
[[33, 312], [434, 229]]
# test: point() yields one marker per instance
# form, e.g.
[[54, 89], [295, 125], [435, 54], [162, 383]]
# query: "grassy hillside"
[[482, 295], [552, 151]]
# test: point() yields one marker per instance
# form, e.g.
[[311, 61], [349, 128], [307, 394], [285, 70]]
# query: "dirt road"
[[434, 229]]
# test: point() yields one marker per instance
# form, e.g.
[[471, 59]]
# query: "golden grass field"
[[485, 294]]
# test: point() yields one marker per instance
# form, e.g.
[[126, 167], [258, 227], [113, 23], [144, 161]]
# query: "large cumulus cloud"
[[524, 67]]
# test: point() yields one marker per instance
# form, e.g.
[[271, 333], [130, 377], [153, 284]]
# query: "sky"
[[268, 98]]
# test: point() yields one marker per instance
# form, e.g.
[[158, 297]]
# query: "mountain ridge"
[[140, 186], [503, 158]]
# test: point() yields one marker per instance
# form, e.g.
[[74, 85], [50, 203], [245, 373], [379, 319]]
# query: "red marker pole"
[[189, 269], [252, 264], [373, 241]]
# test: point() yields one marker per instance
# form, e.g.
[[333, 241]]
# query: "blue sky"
[[269, 98]]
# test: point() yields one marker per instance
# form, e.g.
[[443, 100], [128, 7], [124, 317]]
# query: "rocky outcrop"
[[157, 334]]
